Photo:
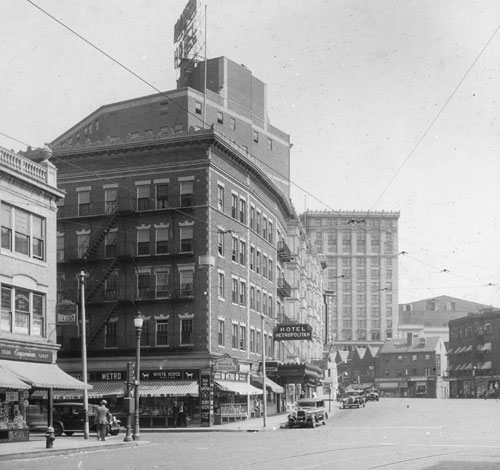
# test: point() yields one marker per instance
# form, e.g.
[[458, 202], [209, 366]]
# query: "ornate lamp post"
[[138, 320]]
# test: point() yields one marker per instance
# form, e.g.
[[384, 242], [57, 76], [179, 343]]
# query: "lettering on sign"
[[226, 364], [292, 332]]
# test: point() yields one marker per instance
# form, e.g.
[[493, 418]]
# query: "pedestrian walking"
[[175, 413], [103, 418], [182, 414]]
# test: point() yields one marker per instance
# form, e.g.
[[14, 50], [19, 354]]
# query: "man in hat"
[[103, 418]]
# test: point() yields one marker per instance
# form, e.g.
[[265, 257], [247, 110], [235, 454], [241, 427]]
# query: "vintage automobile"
[[372, 395], [308, 412], [69, 418], [353, 399]]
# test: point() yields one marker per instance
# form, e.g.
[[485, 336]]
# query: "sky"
[[390, 105]]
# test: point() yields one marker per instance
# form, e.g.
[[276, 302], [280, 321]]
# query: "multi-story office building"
[[177, 208], [28, 349], [474, 355], [361, 275]]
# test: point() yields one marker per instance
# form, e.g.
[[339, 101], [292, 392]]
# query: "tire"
[[58, 429], [69, 433], [115, 432]]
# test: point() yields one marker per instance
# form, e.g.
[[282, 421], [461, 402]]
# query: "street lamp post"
[[474, 380], [138, 328]]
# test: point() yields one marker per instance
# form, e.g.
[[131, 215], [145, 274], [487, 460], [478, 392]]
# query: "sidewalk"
[[36, 446]]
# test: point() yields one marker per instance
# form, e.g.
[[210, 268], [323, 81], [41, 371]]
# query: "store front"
[[20, 380], [274, 397]]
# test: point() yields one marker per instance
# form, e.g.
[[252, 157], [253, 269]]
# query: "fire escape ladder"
[[106, 273], [101, 320], [99, 237]]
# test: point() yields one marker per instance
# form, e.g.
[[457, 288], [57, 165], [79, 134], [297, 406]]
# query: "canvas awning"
[[273, 386], [41, 375], [240, 388], [468, 348], [486, 365], [450, 352], [168, 388], [11, 381], [459, 350], [486, 347]]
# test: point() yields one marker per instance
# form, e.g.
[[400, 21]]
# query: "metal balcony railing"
[[284, 251], [284, 289]]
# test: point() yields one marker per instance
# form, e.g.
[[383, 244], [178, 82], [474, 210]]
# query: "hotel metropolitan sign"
[[295, 331]]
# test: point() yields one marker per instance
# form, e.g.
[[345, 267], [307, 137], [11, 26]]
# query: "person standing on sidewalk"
[[103, 418]]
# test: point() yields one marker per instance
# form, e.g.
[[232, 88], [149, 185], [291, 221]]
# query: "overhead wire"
[[411, 153]]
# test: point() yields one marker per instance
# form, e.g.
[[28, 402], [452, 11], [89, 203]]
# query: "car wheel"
[[69, 433], [58, 429]]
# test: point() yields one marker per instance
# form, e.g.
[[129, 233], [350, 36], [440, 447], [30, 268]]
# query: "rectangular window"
[[258, 264], [220, 198], [111, 336], [162, 196], [111, 286], [82, 241], [243, 293], [143, 286], [110, 244], [264, 227], [220, 243], [187, 331], [264, 266], [162, 332], [186, 282], [186, 238], [145, 339], [252, 258], [186, 193], [257, 301], [22, 232], [60, 248], [221, 333], [252, 340], [220, 118], [6, 217], [270, 232], [234, 291], [234, 206], [270, 275], [269, 144], [257, 342], [243, 211], [252, 297], [255, 136], [143, 197], [252, 217], [162, 291], [243, 253], [243, 337], [234, 336], [232, 124], [234, 251], [198, 107], [257, 222], [84, 203], [161, 240], [143, 242], [220, 286], [110, 200]]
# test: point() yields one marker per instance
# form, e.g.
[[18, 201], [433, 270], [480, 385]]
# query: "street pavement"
[[37, 445]]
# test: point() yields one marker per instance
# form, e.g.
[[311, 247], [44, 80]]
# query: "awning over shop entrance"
[[273, 386], [42, 375], [168, 388], [241, 388], [9, 380], [99, 390]]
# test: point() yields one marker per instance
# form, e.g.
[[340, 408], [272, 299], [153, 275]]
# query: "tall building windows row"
[[162, 243], [158, 283], [23, 311], [22, 232], [150, 197], [261, 224]]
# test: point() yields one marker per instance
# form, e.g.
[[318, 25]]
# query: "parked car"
[[69, 418], [372, 395], [353, 399], [308, 412]]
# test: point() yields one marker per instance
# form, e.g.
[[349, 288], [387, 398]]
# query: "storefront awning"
[[486, 347], [241, 388], [450, 352], [168, 388], [468, 348], [9, 380], [42, 375], [459, 350], [486, 365], [273, 386]]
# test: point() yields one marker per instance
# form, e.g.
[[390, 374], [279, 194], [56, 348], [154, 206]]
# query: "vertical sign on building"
[[187, 34], [205, 398]]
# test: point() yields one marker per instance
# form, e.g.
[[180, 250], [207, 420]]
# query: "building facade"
[[415, 368], [175, 210], [361, 275], [430, 317], [474, 355], [28, 348]]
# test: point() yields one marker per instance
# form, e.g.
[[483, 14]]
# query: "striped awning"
[[40, 375], [486, 347], [240, 388], [449, 352], [486, 365], [273, 386], [11, 381], [168, 388], [468, 348]]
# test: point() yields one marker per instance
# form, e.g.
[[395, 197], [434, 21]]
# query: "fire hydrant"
[[49, 437]]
